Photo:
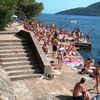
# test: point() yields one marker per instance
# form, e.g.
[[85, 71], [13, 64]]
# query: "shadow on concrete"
[[64, 97], [91, 91]]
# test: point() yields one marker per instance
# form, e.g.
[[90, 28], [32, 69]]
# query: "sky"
[[54, 6]]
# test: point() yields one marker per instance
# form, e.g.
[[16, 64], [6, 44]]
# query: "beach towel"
[[74, 63]]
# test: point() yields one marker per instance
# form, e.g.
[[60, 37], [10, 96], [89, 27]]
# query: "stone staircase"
[[17, 58]]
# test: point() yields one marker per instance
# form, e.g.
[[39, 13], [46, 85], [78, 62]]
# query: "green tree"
[[28, 8], [6, 7], [22, 8]]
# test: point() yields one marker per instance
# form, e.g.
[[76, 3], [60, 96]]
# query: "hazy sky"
[[53, 6]]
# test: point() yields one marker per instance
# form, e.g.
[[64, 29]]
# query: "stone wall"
[[44, 63], [6, 91]]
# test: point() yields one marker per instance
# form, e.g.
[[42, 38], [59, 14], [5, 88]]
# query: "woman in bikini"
[[97, 78], [61, 51]]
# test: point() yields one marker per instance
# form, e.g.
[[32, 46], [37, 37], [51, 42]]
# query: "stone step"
[[21, 55], [13, 43], [18, 59], [23, 77], [11, 68], [15, 50], [16, 55], [8, 59], [5, 64], [14, 47], [10, 45], [14, 40], [21, 72]]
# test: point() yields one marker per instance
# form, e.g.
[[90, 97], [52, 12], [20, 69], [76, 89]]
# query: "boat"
[[73, 21]]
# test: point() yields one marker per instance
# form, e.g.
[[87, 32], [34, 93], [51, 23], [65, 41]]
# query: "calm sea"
[[85, 23]]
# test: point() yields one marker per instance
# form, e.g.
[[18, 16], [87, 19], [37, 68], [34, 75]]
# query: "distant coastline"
[[91, 10], [84, 16]]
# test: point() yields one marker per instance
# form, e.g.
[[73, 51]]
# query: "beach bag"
[[97, 97]]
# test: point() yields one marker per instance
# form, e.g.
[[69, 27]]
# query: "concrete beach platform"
[[59, 88]]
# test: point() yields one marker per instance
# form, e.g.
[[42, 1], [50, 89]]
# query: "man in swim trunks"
[[54, 42], [80, 92]]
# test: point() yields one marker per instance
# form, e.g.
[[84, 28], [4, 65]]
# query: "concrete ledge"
[[38, 51]]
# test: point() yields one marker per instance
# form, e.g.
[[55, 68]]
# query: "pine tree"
[[28, 8], [22, 8], [6, 7]]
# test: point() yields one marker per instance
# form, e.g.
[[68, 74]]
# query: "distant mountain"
[[92, 10]]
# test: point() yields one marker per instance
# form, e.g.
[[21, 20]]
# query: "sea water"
[[85, 23]]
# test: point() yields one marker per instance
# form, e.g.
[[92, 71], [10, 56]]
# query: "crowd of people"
[[64, 51], [52, 36], [80, 92], [46, 31]]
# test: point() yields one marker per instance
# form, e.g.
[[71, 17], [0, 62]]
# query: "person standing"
[[97, 78], [61, 51], [54, 42], [80, 92], [88, 37]]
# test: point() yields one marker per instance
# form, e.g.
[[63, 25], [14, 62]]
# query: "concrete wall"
[[44, 63]]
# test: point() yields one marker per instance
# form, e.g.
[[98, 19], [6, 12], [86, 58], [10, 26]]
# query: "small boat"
[[81, 45], [73, 21]]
